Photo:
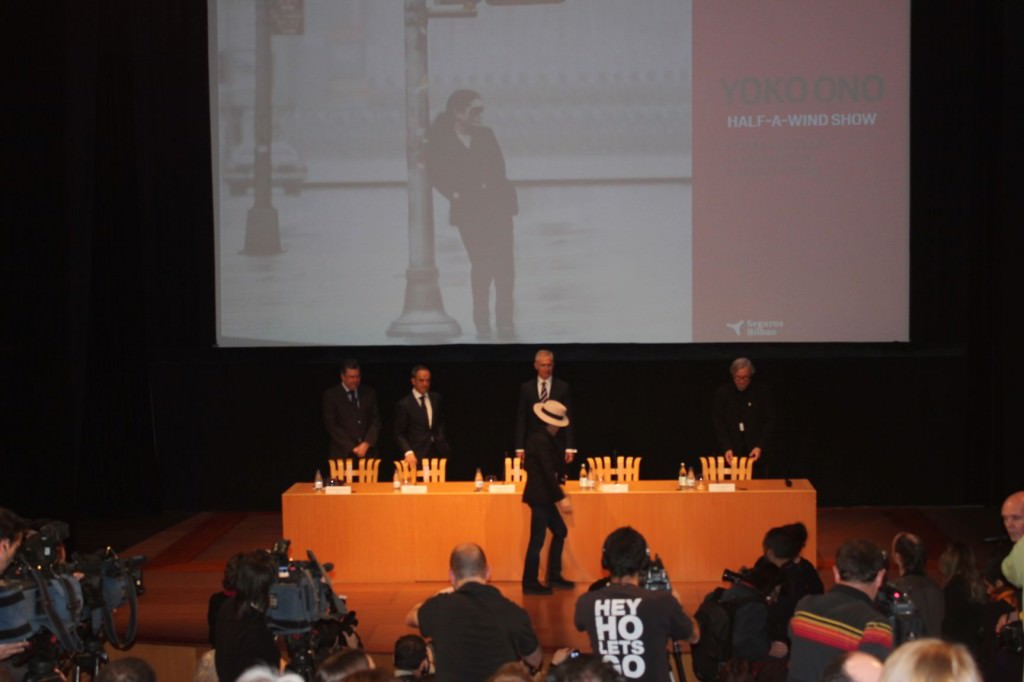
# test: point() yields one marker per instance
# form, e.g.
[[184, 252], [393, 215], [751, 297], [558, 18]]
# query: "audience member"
[[411, 659], [130, 669], [473, 627], [628, 625], [853, 666], [227, 591], [910, 555], [999, 658], [242, 636], [844, 618], [930, 660], [342, 665], [782, 546], [583, 668], [748, 598], [262, 673], [1013, 520], [964, 594], [511, 672], [12, 529]]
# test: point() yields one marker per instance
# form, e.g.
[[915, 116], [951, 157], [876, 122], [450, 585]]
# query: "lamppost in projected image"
[[262, 232], [423, 314]]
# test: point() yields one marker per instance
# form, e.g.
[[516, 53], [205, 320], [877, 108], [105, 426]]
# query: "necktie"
[[543, 391], [426, 412], [352, 396]]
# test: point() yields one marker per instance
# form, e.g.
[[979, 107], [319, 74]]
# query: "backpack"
[[715, 646]]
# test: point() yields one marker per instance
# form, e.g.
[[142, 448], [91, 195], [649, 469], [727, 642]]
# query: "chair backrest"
[[433, 469], [364, 469], [626, 469], [514, 471], [715, 469]]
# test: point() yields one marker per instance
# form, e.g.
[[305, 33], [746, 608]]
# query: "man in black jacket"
[[546, 498], [350, 414]]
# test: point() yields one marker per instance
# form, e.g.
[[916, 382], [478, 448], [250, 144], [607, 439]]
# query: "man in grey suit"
[[541, 389]]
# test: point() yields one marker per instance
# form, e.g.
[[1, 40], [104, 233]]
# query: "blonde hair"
[[930, 660]]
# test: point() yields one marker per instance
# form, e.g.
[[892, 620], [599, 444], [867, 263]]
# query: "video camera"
[[896, 605], [305, 608], [66, 608], [655, 577]]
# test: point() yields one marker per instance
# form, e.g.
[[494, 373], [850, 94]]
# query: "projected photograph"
[[435, 172], [395, 172]]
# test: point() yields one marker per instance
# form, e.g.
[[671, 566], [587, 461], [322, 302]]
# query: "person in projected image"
[[466, 165], [743, 413]]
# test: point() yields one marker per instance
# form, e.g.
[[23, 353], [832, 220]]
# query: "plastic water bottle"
[[682, 475], [478, 481], [584, 481], [396, 482], [318, 481], [691, 480]]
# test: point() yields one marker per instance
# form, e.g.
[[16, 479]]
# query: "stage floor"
[[187, 558]]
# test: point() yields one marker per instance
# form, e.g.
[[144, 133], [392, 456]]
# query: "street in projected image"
[[593, 263]]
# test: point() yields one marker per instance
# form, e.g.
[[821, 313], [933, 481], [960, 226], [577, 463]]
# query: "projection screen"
[[394, 172]]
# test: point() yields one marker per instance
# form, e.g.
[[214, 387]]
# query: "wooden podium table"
[[379, 535]]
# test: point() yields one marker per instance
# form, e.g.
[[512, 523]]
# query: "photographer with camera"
[[12, 529], [629, 625], [242, 633], [749, 595], [844, 618]]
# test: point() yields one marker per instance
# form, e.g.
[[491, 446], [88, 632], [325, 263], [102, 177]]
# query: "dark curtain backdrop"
[[116, 402]]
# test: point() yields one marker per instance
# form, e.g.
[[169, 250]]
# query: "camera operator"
[[12, 530], [242, 635], [628, 625], [750, 595]]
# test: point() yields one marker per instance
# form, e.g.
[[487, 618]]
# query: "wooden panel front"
[[378, 535]]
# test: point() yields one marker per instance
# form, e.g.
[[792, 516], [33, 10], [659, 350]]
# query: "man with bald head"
[[475, 630], [1013, 519]]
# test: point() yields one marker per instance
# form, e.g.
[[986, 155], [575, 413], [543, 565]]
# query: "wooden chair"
[[715, 469], [600, 469], [363, 469], [514, 471], [629, 468], [437, 470]]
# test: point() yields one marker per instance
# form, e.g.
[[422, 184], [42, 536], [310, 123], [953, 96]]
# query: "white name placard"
[[414, 490], [502, 488]]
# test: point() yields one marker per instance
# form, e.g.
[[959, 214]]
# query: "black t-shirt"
[[242, 642], [630, 626], [475, 631]]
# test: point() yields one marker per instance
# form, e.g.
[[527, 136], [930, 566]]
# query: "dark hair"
[[349, 363], [130, 669], [230, 579], [624, 552], [859, 561], [460, 99], [417, 368], [957, 560], [911, 551], [781, 543], [341, 664], [256, 571], [12, 526], [410, 652], [798, 531], [764, 576], [468, 561]]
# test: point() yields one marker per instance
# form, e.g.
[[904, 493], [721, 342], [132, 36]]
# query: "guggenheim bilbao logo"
[[755, 327]]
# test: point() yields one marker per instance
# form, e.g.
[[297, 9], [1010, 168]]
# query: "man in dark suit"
[[419, 420], [544, 387], [546, 498], [744, 414], [350, 414]]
